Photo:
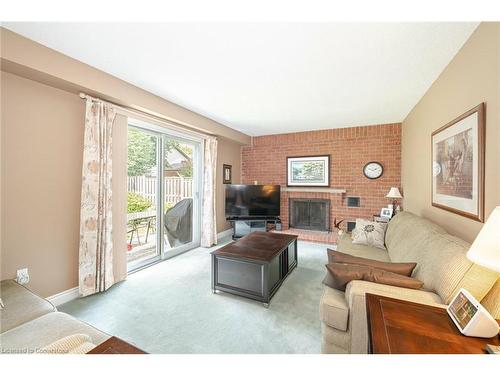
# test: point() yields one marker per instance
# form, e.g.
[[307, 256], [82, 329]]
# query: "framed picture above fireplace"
[[313, 171]]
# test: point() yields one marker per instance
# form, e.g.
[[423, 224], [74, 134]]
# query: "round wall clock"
[[436, 168], [373, 170]]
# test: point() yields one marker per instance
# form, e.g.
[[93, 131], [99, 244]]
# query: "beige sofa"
[[441, 264], [28, 322]]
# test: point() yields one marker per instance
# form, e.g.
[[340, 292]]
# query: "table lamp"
[[394, 194], [485, 250]]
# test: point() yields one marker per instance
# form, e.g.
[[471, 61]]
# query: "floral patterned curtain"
[[96, 245], [208, 217]]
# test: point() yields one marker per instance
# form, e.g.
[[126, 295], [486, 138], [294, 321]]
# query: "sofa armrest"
[[355, 298]]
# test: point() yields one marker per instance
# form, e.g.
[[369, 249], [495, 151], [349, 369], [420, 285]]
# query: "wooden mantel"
[[314, 190]]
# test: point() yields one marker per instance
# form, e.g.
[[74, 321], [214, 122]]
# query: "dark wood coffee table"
[[402, 327], [255, 265]]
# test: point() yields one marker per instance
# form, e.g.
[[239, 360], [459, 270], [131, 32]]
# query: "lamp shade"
[[485, 250], [394, 193]]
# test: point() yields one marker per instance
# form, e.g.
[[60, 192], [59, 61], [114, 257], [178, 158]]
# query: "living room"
[[339, 196]]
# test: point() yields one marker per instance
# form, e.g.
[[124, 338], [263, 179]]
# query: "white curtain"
[[96, 245], [208, 213]]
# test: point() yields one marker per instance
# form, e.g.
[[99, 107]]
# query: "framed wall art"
[[313, 171], [227, 174], [458, 165], [386, 212]]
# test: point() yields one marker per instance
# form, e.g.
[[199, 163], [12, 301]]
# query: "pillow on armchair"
[[369, 233]]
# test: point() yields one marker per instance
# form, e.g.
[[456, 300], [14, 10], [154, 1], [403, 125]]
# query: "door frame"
[[163, 130]]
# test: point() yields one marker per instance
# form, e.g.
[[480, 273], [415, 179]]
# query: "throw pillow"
[[78, 343], [340, 274], [404, 269], [369, 233]]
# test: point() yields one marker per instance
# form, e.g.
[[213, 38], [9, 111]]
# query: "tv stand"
[[246, 225]]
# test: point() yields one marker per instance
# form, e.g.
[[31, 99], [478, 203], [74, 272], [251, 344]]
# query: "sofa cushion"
[[404, 269], [345, 245], [491, 301], [406, 234], [30, 337], [441, 258], [333, 309], [444, 268], [20, 305]]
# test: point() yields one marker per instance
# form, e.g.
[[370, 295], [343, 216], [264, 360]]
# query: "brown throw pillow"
[[340, 274], [404, 269]]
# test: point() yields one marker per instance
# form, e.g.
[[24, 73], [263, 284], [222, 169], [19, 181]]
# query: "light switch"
[[23, 276]]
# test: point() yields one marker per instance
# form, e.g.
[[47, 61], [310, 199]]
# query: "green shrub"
[[137, 203]]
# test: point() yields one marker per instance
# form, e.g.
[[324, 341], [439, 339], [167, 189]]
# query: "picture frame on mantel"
[[308, 171], [458, 165]]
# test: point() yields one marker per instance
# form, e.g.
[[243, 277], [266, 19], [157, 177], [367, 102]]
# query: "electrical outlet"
[[23, 276]]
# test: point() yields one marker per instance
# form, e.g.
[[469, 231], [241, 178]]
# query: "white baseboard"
[[224, 235], [63, 297], [71, 294]]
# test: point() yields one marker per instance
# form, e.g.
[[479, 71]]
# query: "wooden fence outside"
[[175, 188]]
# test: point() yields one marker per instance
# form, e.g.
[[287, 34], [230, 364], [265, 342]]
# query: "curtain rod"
[[137, 112]]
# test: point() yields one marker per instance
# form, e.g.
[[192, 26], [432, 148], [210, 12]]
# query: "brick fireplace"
[[350, 149]]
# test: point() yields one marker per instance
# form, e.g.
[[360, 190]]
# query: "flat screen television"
[[252, 201]]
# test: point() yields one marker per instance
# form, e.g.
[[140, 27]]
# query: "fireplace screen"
[[312, 214]]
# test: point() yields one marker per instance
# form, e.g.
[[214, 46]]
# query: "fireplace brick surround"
[[264, 161]]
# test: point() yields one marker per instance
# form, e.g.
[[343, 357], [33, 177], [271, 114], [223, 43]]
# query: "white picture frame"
[[311, 171], [386, 212]]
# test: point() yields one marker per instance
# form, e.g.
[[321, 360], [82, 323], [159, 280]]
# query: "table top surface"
[[403, 327], [115, 345], [260, 246]]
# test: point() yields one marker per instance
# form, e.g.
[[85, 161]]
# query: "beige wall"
[[42, 146], [227, 153], [41, 156], [27, 58], [472, 77]]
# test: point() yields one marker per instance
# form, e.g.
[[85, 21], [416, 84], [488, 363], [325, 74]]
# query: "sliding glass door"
[[164, 184], [143, 149]]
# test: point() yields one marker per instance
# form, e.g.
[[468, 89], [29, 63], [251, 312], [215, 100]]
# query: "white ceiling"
[[271, 77]]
